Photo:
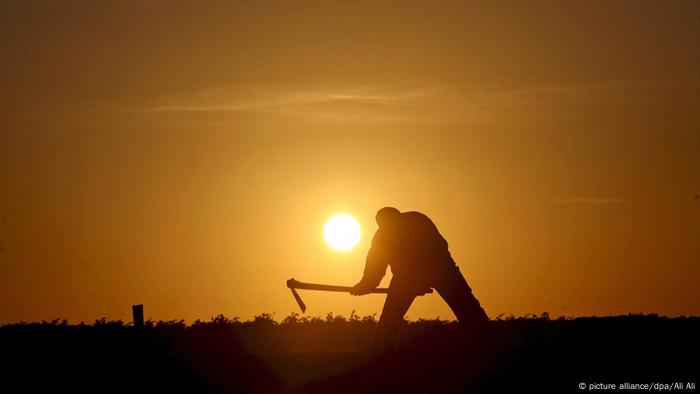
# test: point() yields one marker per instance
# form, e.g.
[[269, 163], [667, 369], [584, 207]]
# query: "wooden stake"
[[137, 311]]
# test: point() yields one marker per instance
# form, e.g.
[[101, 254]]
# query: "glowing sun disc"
[[341, 232]]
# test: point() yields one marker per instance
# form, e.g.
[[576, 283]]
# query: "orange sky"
[[186, 156]]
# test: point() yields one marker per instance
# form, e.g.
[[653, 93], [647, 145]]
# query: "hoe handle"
[[295, 284]]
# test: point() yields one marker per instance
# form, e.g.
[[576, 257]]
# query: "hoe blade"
[[299, 301]]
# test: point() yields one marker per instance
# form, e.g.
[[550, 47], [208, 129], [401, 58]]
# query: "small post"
[[137, 311]]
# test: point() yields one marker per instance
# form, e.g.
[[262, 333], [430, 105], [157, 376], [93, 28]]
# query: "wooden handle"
[[295, 284]]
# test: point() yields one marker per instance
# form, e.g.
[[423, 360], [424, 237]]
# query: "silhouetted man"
[[419, 258]]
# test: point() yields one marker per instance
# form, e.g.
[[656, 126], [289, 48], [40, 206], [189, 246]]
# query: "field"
[[329, 355]]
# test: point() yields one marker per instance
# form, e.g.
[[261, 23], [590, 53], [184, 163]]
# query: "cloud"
[[315, 102], [594, 200], [412, 102]]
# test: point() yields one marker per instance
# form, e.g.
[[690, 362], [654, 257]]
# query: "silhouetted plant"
[[263, 320], [103, 322], [293, 318], [223, 321], [171, 324]]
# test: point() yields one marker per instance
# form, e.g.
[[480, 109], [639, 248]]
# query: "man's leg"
[[395, 307], [456, 292]]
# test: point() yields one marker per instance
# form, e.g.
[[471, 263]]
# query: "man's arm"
[[375, 266]]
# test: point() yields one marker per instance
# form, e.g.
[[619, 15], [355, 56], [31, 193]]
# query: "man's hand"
[[360, 289]]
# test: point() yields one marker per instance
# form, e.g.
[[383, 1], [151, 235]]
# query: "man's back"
[[413, 247]]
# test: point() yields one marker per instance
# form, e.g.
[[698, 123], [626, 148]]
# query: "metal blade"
[[299, 301]]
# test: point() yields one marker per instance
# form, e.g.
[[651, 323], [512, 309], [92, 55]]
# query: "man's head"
[[386, 216]]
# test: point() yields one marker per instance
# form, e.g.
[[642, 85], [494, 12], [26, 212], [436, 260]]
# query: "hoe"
[[294, 284]]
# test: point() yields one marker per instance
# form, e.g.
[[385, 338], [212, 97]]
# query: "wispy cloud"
[[374, 102], [400, 102], [594, 200]]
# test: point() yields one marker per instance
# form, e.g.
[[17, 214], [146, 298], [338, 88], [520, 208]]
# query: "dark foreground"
[[635, 353]]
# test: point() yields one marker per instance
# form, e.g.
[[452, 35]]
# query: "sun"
[[341, 232]]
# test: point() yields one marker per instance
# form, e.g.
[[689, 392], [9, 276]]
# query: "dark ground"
[[329, 356]]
